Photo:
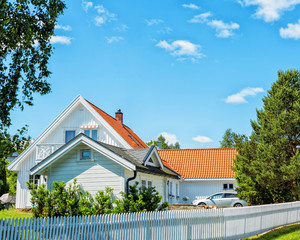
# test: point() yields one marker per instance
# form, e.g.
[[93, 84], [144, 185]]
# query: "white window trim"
[[91, 159]]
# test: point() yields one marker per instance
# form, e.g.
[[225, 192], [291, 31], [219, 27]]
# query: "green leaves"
[[26, 28], [71, 201], [162, 144]]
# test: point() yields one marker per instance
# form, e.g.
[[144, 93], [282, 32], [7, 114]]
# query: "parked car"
[[222, 199]]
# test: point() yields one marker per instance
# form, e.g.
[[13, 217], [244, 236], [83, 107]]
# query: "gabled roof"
[[139, 157], [81, 138], [132, 159], [209, 163], [125, 132]]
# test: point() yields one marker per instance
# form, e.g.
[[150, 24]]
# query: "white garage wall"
[[195, 188]]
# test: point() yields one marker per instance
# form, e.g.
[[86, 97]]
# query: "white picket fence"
[[231, 223]]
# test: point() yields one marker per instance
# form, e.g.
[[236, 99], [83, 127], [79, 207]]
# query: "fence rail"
[[231, 223]]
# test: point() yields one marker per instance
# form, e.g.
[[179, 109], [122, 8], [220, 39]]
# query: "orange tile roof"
[[125, 132], [200, 163]]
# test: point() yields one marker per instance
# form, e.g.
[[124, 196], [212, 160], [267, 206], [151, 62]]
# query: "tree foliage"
[[267, 167], [72, 201], [228, 139], [26, 28], [162, 144], [9, 145]]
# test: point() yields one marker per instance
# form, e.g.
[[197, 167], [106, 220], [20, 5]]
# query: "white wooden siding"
[[159, 182], [23, 194], [192, 189], [78, 117], [91, 175]]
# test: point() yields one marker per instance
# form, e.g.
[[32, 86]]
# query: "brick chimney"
[[119, 116]]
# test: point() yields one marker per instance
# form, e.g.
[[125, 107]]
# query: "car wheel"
[[202, 204], [238, 205]]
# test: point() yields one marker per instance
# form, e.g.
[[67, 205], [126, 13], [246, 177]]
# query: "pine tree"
[[268, 166], [228, 140]]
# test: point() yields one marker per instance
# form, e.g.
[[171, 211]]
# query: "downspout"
[[130, 179]]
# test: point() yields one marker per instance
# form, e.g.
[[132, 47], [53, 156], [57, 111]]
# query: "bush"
[[72, 201]]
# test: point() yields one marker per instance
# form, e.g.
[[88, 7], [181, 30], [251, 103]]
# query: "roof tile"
[[200, 163], [125, 132]]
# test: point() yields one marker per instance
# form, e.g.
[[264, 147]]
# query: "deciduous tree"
[[26, 28], [162, 144]]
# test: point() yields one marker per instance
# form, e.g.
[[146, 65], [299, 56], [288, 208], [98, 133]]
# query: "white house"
[[203, 171], [86, 143]]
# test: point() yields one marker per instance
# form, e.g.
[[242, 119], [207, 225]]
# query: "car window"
[[216, 196], [230, 195]]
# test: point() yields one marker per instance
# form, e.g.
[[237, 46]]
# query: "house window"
[[85, 155], [92, 134], [149, 184], [70, 134], [143, 184], [170, 188], [227, 186], [177, 191], [34, 179]]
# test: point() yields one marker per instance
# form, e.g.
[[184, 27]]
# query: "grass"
[[15, 213], [290, 232]]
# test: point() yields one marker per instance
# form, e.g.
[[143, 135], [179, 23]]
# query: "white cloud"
[[165, 30], [270, 10], [113, 39], [153, 22], [61, 40], [103, 16], [224, 30], [191, 5], [86, 5], [240, 97], [65, 28], [181, 48], [202, 139], [170, 138], [201, 18], [292, 31], [121, 28]]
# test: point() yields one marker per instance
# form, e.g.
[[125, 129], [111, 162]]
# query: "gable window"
[[91, 133], [70, 134], [34, 179], [85, 155]]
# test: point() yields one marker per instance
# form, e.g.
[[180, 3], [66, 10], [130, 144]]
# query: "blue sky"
[[188, 69]]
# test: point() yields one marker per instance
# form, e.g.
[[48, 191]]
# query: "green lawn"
[[14, 213], [291, 232]]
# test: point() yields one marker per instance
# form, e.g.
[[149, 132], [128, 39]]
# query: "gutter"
[[130, 179]]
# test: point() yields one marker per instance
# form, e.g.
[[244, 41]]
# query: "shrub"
[[72, 201]]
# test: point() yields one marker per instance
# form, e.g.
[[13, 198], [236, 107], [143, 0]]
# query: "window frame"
[[90, 133], [81, 158], [69, 130], [35, 179]]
